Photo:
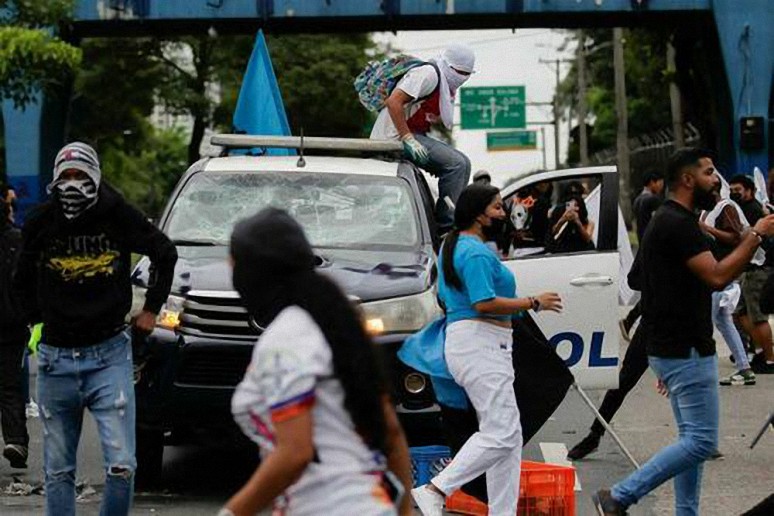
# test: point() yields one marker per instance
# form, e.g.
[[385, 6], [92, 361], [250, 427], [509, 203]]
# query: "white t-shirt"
[[292, 371], [417, 83]]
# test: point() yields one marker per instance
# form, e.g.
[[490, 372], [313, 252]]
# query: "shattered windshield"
[[335, 210]]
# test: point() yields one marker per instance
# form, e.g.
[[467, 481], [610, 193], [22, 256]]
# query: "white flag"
[[626, 295]]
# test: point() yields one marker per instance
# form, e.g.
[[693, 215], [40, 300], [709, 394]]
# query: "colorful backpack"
[[376, 82]]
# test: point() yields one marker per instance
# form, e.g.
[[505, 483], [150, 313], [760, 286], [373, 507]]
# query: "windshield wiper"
[[200, 243]]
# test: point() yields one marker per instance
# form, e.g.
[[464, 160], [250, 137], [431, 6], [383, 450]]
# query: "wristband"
[[535, 303]]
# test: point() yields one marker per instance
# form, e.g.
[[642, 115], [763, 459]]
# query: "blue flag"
[[259, 108]]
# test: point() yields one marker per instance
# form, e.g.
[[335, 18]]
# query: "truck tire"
[[150, 459]]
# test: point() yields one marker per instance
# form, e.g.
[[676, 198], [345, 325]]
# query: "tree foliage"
[[147, 174], [647, 85], [122, 80], [32, 58], [315, 74]]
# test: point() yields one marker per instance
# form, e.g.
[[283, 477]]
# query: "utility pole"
[[582, 106], [675, 97], [557, 63], [622, 136]]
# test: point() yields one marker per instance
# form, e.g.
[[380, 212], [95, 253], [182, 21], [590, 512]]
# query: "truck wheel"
[[150, 458]]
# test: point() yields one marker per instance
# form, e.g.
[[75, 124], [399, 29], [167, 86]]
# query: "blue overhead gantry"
[[745, 29]]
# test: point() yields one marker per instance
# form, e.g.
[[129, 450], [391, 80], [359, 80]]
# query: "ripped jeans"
[[98, 378]]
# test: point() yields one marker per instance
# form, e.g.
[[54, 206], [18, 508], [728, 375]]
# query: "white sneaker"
[[429, 502], [32, 409]]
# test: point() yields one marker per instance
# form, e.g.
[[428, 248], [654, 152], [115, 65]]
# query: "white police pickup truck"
[[370, 223]]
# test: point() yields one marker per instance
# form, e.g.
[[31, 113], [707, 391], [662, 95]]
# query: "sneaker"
[[760, 365], [429, 502], [32, 410], [606, 505], [746, 377], [717, 455], [588, 445], [16, 455], [624, 330]]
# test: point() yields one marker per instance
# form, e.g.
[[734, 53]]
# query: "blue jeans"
[[98, 378], [724, 322], [693, 392], [452, 168]]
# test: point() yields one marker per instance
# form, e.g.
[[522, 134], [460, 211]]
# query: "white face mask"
[[455, 79]]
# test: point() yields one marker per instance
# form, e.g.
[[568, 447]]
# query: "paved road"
[[199, 480]]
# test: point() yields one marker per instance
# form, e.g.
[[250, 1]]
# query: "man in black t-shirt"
[[753, 320], [644, 206], [677, 274]]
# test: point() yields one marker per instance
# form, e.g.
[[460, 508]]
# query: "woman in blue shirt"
[[479, 294]]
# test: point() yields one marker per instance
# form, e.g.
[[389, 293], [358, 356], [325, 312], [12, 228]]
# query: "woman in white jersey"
[[313, 397]]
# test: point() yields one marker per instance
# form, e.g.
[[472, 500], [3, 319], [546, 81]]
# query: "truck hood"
[[366, 274]]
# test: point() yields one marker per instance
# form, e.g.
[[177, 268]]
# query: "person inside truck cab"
[[422, 97], [314, 397]]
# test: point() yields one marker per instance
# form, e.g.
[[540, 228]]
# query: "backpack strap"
[[437, 85]]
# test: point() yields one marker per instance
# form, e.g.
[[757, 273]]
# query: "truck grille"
[[204, 367], [216, 314]]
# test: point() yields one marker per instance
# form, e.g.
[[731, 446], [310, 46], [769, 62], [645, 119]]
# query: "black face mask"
[[494, 230], [736, 197], [704, 199]]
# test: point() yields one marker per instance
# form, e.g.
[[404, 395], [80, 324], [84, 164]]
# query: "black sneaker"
[[759, 365], [588, 445], [606, 505], [717, 455], [16, 455]]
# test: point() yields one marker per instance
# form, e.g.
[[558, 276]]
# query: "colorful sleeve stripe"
[[293, 407]]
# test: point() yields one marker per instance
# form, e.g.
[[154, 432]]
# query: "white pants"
[[479, 358]]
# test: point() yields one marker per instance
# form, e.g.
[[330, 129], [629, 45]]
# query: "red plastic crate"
[[544, 490]]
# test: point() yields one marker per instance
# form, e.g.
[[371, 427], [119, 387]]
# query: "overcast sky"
[[503, 58]]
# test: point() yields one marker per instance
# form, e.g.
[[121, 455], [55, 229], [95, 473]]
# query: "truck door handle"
[[591, 280]]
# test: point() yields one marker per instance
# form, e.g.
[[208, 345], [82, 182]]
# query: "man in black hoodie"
[[13, 337], [73, 276]]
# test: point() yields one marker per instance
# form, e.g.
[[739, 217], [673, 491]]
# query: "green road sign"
[[493, 107], [511, 140]]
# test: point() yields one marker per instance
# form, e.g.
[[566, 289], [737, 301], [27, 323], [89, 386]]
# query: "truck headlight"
[[169, 315], [401, 314]]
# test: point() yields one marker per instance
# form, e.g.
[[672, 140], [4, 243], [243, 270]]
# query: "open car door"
[[549, 254]]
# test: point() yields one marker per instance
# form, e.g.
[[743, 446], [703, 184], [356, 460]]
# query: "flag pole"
[[606, 425]]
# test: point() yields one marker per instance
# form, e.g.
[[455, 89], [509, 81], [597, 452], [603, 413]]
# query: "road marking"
[[556, 453]]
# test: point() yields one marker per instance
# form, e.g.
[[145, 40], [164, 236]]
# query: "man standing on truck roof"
[[422, 97], [73, 276]]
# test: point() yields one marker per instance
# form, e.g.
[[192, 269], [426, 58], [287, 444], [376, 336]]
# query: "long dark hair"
[[274, 269], [355, 361], [583, 212], [472, 202]]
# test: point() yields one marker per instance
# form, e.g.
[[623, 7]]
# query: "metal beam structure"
[[110, 17], [745, 29]]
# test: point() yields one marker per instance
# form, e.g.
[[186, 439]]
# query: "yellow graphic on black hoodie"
[[83, 256], [79, 267]]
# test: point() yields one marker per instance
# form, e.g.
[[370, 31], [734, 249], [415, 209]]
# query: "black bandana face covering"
[[75, 196]]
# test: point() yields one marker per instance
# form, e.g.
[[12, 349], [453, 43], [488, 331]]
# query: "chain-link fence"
[[647, 152]]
